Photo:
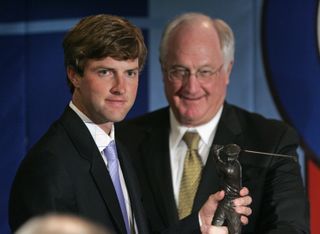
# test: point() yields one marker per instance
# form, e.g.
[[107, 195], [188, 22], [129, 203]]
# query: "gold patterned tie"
[[191, 174]]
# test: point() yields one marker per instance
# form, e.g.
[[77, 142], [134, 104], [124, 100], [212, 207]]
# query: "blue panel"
[[142, 103], [47, 90], [12, 125], [292, 59]]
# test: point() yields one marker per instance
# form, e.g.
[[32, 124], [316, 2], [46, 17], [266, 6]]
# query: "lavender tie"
[[113, 166]]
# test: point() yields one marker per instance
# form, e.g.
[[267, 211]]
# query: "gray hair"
[[226, 37]]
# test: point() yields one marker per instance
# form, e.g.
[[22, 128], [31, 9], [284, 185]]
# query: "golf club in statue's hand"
[[230, 171]]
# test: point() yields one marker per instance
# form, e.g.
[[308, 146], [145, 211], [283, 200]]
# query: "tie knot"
[[111, 151], [192, 140]]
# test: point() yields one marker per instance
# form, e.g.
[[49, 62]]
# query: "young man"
[[69, 169]]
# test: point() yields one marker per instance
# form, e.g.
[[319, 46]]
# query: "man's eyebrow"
[[102, 66], [132, 69], [178, 66]]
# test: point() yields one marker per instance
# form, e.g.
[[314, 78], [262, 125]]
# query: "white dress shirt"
[[102, 139], [178, 148]]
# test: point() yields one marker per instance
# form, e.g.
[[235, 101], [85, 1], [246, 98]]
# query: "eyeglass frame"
[[188, 74]]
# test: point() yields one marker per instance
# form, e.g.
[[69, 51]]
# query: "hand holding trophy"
[[230, 171]]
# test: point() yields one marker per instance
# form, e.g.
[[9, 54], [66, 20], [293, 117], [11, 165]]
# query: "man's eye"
[[206, 73], [180, 72], [132, 73], [105, 72]]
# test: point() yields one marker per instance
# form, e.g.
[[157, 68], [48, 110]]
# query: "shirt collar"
[[100, 137]]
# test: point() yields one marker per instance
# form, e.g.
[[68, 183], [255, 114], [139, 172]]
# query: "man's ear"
[[229, 69], [73, 77]]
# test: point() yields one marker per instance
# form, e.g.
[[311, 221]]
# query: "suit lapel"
[[228, 132], [105, 185], [133, 189], [87, 148], [154, 150], [157, 160], [209, 184]]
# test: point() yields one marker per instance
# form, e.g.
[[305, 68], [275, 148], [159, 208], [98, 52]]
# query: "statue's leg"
[[219, 216], [234, 221]]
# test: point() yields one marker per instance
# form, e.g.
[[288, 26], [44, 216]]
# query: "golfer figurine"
[[229, 169]]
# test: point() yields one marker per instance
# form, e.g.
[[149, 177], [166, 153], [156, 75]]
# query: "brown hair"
[[100, 36]]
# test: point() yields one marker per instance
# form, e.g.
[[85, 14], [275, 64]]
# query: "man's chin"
[[187, 120], [117, 118], [111, 118], [191, 119], [115, 115]]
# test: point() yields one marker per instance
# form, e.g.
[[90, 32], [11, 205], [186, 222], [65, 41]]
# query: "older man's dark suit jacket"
[[279, 200], [64, 172]]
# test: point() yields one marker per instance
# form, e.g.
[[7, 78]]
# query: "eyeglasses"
[[203, 75]]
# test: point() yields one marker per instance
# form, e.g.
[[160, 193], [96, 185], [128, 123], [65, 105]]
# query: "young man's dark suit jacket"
[[279, 200], [64, 172]]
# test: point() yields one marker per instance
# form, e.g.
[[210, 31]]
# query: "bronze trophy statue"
[[230, 171]]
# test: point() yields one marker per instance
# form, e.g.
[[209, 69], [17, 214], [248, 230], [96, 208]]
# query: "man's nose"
[[191, 83], [118, 84]]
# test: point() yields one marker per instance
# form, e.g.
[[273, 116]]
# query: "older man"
[[196, 55]]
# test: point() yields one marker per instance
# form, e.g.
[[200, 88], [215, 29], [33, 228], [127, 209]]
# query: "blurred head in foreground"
[[60, 224]]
